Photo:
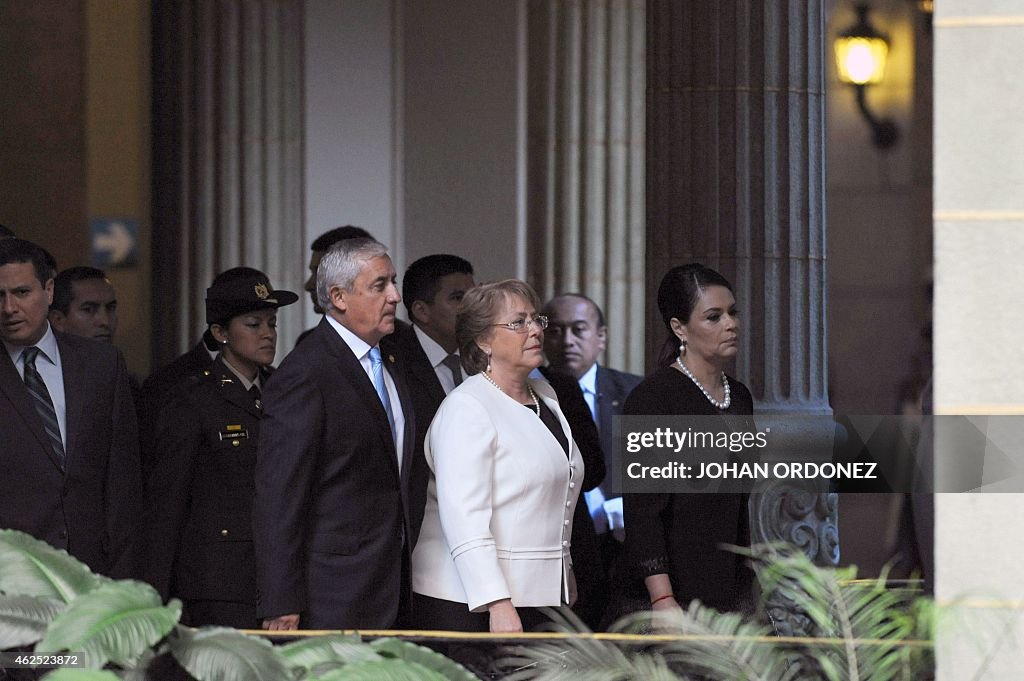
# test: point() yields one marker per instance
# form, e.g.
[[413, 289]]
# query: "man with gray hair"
[[331, 518]]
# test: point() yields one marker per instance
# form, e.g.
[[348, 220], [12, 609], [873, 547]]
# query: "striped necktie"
[[42, 402]]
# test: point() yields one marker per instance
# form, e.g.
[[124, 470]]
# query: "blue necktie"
[[42, 402], [382, 389]]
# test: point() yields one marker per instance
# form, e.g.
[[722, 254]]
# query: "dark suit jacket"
[[91, 508], [331, 510], [199, 498], [612, 389], [427, 394]]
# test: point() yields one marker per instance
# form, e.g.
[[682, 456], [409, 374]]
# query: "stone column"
[[585, 127], [227, 157], [735, 180]]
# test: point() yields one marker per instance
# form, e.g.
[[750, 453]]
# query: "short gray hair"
[[341, 265]]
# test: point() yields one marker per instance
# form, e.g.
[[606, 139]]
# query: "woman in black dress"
[[673, 540]]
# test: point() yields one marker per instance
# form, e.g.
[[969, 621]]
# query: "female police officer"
[[199, 495]]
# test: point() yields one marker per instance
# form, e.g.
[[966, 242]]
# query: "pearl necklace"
[[724, 404], [533, 395]]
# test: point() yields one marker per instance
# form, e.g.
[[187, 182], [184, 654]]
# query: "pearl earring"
[[682, 348], [488, 370]]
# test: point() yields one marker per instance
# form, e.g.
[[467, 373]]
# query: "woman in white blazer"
[[495, 540]]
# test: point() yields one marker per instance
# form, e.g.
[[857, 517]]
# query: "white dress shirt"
[[436, 355], [361, 350], [49, 367], [588, 384]]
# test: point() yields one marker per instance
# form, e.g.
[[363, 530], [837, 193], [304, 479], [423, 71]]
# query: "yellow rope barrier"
[[641, 639]]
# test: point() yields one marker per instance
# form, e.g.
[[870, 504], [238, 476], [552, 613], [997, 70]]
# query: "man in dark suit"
[[331, 520], [70, 451], [575, 338], [85, 304]]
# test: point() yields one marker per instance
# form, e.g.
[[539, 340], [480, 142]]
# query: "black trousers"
[[220, 613], [442, 615]]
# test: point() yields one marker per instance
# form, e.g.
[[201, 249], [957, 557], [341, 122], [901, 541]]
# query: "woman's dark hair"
[[477, 314], [678, 294]]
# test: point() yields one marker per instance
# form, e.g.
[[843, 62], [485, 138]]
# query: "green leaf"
[[75, 674], [117, 622], [219, 654], [405, 650], [23, 619], [34, 568], [381, 670], [311, 652]]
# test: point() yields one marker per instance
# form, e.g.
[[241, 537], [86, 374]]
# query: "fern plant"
[[864, 632]]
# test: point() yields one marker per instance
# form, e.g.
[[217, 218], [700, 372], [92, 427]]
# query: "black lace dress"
[[680, 534]]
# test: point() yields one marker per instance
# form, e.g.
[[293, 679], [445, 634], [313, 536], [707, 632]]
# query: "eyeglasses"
[[523, 325]]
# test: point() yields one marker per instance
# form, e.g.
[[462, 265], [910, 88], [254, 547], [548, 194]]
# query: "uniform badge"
[[233, 434], [262, 292]]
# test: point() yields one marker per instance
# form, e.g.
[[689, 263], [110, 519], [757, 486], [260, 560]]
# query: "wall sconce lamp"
[[861, 53]]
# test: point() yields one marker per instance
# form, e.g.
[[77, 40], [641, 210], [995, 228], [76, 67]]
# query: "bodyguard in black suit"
[[199, 496], [575, 338], [427, 352], [332, 523], [70, 450]]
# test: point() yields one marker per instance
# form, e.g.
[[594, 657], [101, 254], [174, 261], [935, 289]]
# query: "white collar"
[[47, 344], [588, 381], [357, 345], [436, 355], [246, 383]]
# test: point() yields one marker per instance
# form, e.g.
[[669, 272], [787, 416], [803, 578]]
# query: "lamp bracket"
[[884, 132]]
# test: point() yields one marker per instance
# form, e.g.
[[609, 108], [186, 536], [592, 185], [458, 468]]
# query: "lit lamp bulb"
[[861, 60]]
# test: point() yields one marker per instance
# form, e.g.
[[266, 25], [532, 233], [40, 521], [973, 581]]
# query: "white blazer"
[[500, 502]]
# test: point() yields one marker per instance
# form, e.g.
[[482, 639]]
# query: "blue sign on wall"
[[114, 242]]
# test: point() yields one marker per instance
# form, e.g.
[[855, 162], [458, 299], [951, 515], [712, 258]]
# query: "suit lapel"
[[420, 368], [75, 389], [354, 374], [409, 415], [605, 406], [14, 388]]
